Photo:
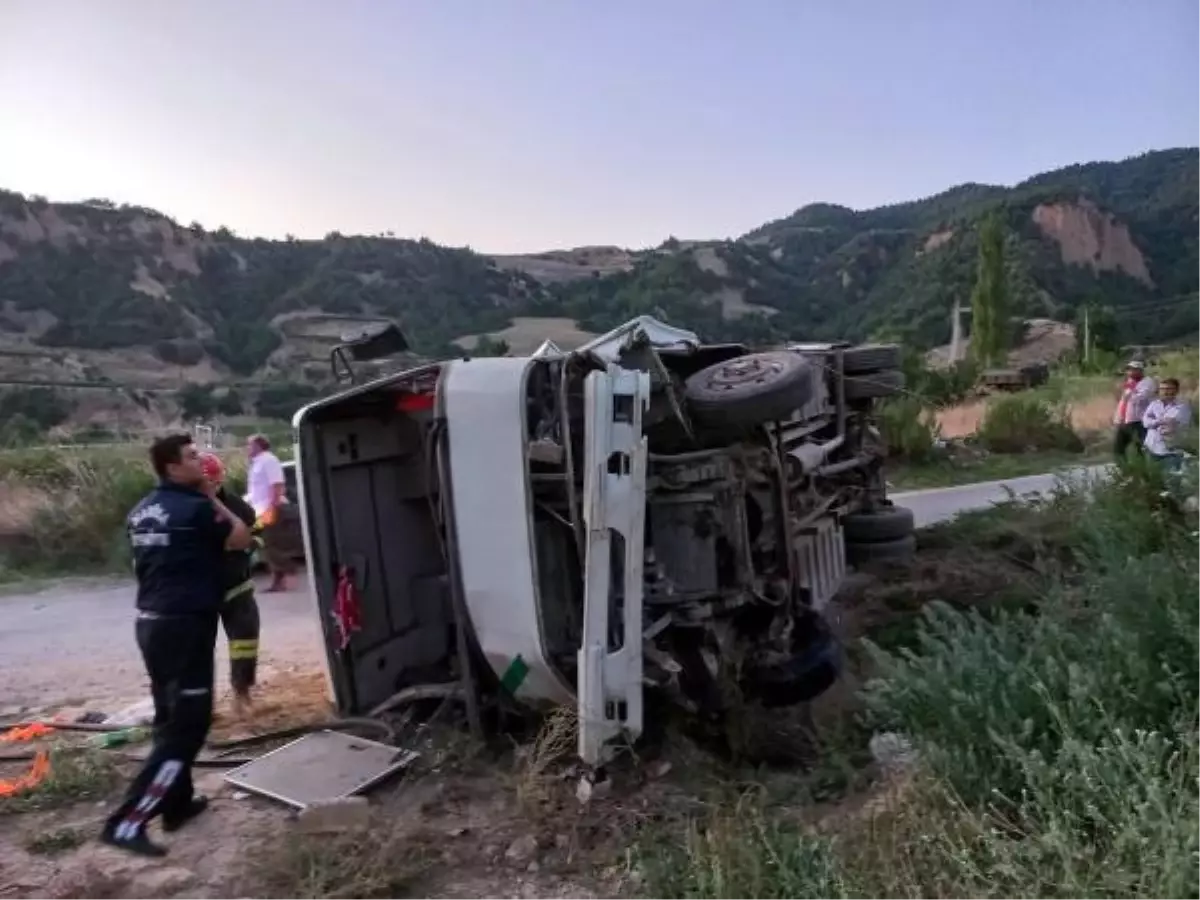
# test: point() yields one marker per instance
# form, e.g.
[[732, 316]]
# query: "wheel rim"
[[737, 373]]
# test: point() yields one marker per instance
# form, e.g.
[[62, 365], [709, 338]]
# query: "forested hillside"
[[95, 276]]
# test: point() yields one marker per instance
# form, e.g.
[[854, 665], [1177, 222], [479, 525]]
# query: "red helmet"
[[212, 467]]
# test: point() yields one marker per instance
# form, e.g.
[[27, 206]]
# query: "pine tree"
[[990, 332]]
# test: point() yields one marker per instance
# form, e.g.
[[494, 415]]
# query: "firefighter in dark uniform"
[[179, 534], [239, 611]]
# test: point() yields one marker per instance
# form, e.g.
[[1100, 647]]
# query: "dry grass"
[[538, 764], [284, 699], [374, 862], [964, 419]]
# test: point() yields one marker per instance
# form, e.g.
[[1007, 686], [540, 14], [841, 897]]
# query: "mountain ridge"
[[92, 278]]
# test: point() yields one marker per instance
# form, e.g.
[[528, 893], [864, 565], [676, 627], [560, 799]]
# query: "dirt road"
[[72, 643]]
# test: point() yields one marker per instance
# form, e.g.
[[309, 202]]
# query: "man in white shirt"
[[267, 488], [1164, 419], [1137, 392]]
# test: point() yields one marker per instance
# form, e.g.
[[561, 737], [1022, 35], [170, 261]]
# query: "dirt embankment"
[[1044, 341], [1094, 414]]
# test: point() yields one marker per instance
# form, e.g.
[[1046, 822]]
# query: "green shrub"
[[739, 851], [40, 468], [909, 428], [74, 506], [1021, 423], [945, 387], [1074, 724], [82, 527], [1057, 740]]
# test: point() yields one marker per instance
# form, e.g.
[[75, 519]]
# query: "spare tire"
[[874, 385], [886, 523], [870, 358], [751, 389]]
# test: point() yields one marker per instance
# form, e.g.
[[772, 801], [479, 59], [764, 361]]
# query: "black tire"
[[881, 551], [875, 385], [870, 358], [888, 523], [801, 678], [749, 390]]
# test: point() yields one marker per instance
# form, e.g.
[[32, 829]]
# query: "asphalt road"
[[72, 642], [938, 504]]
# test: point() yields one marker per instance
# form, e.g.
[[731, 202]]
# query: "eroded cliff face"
[[935, 240], [1086, 235]]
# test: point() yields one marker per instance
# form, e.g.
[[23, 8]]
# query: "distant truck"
[[645, 513], [1014, 379]]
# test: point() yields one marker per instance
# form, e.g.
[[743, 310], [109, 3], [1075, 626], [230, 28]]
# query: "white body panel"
[[485, 424], [610, 682]]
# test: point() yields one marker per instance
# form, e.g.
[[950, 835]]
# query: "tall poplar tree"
[[990, 332]]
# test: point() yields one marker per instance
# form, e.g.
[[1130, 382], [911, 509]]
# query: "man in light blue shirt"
[[1164, 420]]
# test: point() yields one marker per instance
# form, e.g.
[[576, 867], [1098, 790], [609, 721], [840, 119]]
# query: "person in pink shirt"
[[1136, 395]]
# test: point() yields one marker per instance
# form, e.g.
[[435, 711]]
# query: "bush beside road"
[[1053, 732]]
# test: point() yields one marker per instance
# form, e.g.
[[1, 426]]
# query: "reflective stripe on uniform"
[[247, 585], [243, 649]]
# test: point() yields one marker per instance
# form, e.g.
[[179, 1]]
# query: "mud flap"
[[614, 509]]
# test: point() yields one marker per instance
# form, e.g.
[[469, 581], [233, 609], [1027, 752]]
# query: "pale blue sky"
[[529, 124]]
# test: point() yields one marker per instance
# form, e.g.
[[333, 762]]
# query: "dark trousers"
[[1131, 433], [178, 653], [282, 541], [239, 616]]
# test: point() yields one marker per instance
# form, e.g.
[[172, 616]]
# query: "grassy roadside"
[[62, 511], [1056, 735]]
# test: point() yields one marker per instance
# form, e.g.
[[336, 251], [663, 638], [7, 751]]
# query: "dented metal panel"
[[821, 554], [616, 454]]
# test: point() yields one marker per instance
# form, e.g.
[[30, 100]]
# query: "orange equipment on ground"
[[31, 732], [38, 772]]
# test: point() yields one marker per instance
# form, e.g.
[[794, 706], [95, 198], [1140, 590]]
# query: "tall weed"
[[742, 851], [65, 510], [81, 523]]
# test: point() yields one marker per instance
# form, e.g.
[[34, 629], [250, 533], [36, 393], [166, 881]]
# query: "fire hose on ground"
[[223, 749]]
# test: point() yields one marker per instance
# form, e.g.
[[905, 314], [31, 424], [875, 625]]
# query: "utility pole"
[[1087, 335], [956, 332]]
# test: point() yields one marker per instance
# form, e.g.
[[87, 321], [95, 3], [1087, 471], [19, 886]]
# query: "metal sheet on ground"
[[319, 767]]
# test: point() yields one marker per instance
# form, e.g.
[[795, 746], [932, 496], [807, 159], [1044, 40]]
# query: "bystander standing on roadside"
[[179, 533], [268, 495], [1163, 420], [1137, 392]]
